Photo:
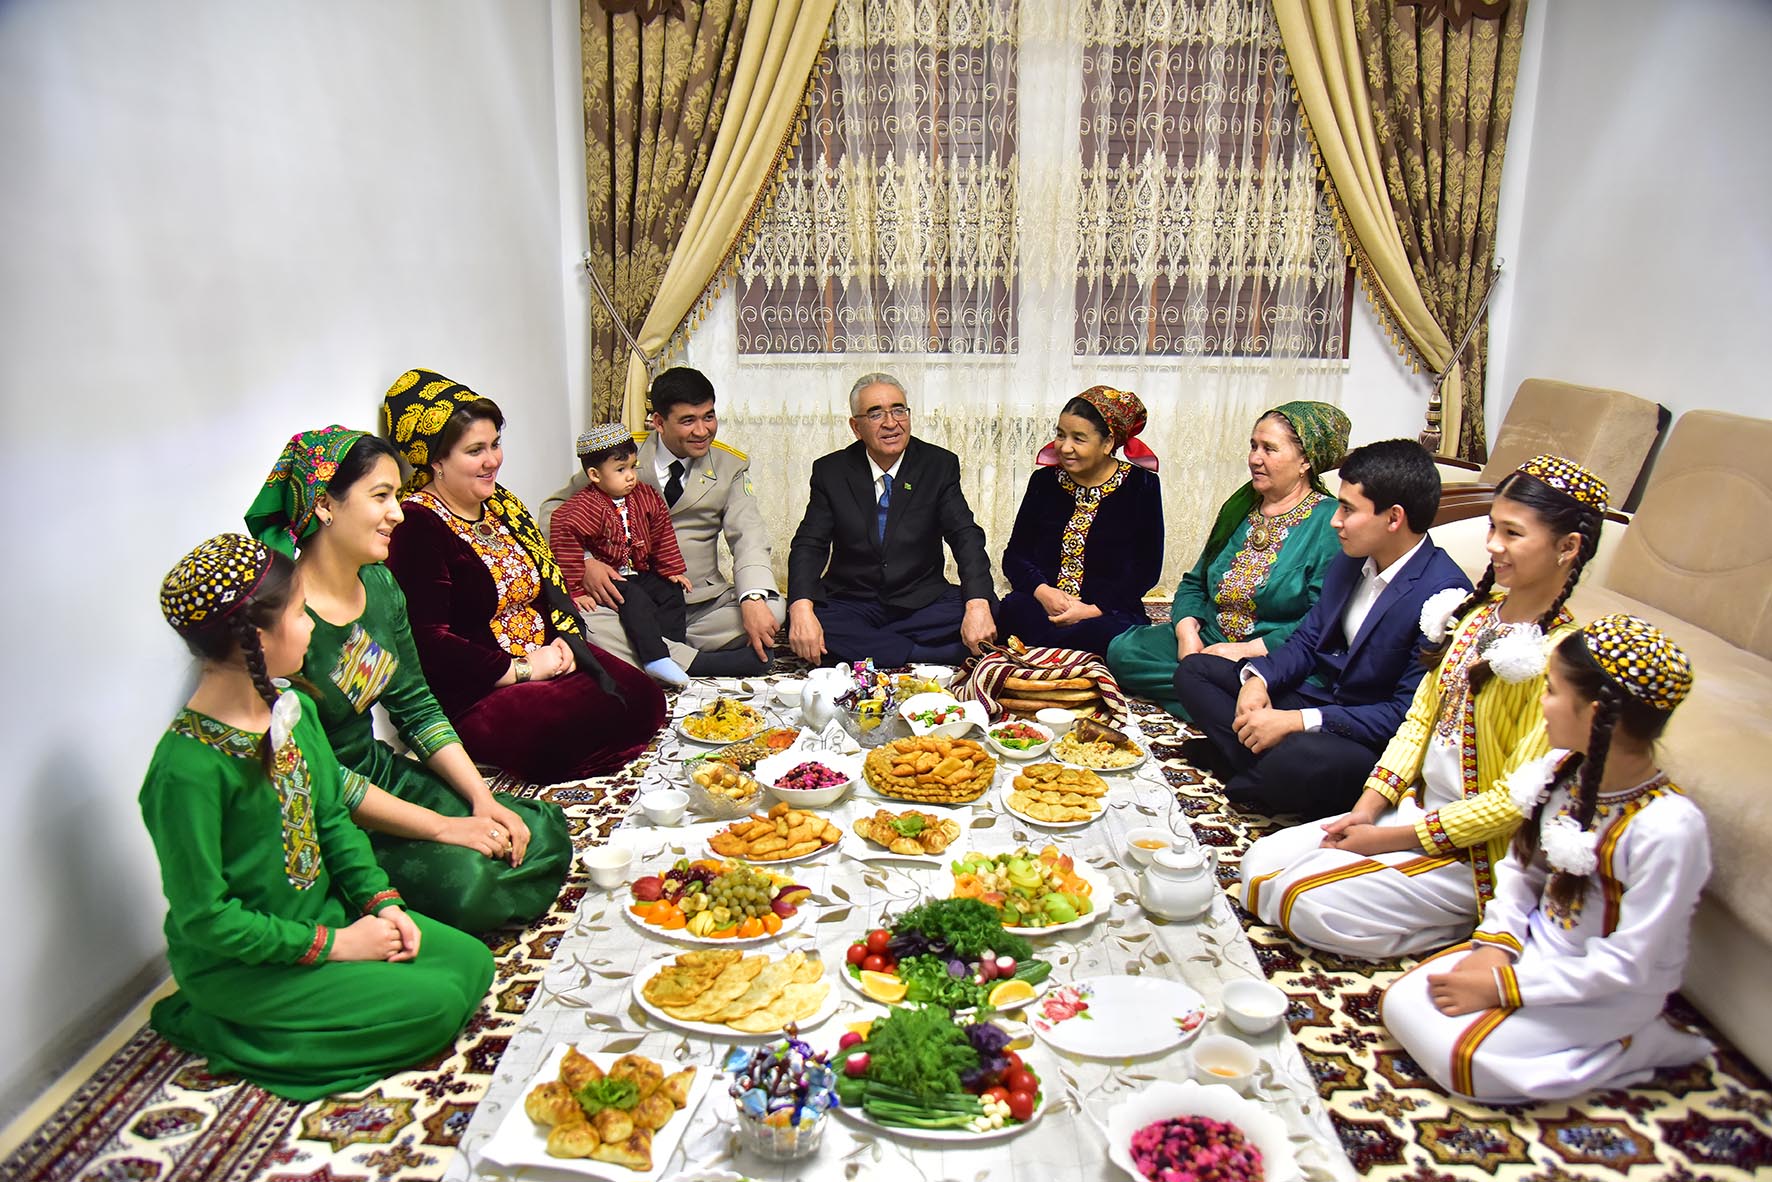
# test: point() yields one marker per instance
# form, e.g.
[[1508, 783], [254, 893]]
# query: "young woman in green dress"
[[298, 966], [456, 850], [1263, 564]]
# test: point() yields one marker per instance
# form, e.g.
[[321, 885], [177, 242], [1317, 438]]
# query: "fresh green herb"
[[927, 979], [908, 826], [607, 1093], [967, 926], [918, 1050]]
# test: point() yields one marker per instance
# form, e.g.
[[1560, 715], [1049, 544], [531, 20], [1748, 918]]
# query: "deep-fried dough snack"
[[785, 833], [930, 769], [934, 836]]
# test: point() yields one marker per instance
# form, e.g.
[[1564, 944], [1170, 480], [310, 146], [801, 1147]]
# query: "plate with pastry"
[[784, 834], [725, 993], [604, 1116], [911, 835], [1055, 796]]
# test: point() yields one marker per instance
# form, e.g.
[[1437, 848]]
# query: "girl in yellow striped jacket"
[[1562, 986], [1411, 866]]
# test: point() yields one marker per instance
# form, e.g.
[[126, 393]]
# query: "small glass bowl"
[[782, 1142], [872, 728]]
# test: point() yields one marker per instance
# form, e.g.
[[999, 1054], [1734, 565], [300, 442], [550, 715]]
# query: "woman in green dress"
[[298, 967], [1263, 563], [457, 851]]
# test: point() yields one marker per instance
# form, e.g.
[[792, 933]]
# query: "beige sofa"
[[1696, 560]]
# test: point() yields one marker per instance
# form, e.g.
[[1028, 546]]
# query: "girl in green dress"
[[1263, 564], [298, 966], [454, 849]]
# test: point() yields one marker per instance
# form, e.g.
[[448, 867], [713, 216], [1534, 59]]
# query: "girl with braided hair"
[[1411, 866], [298, 966], [1587, 933]]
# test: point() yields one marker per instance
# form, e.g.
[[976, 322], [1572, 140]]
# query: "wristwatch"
[[519, 669], [750, 595]]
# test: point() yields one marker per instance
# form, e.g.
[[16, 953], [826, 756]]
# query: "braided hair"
[[1614, 709], [1561, 514], [238, 633]]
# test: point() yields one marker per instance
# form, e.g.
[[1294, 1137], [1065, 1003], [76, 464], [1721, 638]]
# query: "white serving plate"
[[1164, 1099], [974, 715], [792, 923], [519, 1141], [1007, 789], [832, 1001], [1100, 894], [1055, 757], [1126, 1017], [763, 724], [962, 1136], [855, 984]]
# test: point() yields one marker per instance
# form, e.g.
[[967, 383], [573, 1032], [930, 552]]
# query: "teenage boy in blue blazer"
[[1302, 726]]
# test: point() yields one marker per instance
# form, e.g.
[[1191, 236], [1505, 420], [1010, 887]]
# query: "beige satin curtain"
[[685, 119], [1408, 106]]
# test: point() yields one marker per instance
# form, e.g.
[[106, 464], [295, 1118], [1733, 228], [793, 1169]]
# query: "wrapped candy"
[[782, 1091]]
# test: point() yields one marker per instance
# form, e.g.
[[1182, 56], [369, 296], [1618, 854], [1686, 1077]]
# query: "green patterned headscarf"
[[1322, 430], [283, 512]]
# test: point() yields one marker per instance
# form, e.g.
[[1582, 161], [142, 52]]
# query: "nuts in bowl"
[[1019, 740], [807, 779]]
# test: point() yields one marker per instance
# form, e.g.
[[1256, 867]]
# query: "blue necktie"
[[885, 501]]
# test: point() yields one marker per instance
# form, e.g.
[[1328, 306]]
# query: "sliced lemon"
[[1010, 993], [862, 1028], [882, 987]]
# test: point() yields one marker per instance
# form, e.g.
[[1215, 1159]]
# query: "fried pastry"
[[574, 1138], [551, 1104], [633, 1151], [576, 1071]]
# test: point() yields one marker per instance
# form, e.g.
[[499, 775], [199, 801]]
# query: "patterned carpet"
[[153, 1114]]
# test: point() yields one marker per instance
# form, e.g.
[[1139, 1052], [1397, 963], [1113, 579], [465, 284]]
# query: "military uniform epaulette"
[[640, 437]]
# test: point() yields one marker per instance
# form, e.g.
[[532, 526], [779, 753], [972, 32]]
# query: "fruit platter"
[[953, 954], [1034, 893], [926, 1073], [716, 902]]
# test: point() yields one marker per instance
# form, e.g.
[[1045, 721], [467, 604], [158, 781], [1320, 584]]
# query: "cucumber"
[[1032, 971]]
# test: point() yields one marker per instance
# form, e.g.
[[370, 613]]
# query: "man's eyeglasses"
[[878, 415]]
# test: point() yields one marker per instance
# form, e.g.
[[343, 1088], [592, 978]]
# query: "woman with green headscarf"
[[472, 859], [1263, 563]]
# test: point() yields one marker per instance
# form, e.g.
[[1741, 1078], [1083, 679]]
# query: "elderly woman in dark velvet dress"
[[1088, 538], [491, 618]]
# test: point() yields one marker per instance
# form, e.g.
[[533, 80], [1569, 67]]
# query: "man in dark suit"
[[1302, 726], [865, 567]]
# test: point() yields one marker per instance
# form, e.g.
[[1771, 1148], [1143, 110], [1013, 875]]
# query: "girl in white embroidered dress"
[[1562, 986]]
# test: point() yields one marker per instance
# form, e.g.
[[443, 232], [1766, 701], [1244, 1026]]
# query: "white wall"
[[1645, 258], [224, 222]]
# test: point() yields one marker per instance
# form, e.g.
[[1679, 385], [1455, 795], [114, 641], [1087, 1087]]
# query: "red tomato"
[[1022, 1080], [858, 953], [878, 939], [1014, 1062], [1021, 1105], [874, 964], [998, 1093]]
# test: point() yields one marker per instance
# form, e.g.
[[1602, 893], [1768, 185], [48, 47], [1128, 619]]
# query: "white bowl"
[[1254, 1006], [1164, 1099], [1034, 752], [769, 770], [916, 703], [664, 806], [1141, 855], [1221, 1059], [788, 692], [608, 864], [1056, 719], [939, 673]]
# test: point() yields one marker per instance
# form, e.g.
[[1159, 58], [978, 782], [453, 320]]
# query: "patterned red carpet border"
[[153, 1114]]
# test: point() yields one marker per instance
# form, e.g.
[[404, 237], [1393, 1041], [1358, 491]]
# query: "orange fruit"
[[724, 933], [772, 923], [752, 926]]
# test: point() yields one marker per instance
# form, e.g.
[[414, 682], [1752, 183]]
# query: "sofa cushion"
[[1607, 431], [1717, 748], [1700, 547]]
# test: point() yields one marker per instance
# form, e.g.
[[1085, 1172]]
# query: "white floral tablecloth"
[[587, 999]]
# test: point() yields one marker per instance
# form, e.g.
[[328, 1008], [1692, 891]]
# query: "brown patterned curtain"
[[656, 82], [1428, 101]]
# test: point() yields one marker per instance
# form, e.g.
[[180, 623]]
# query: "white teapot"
[[1179, 883], [818, 701]]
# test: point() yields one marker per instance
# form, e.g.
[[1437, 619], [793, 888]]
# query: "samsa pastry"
[[576, 1070], [646, 1074], [551, 1104], [675, 1088], [633, 1151], [573, 1139], [613, 1124], [654, 1112]]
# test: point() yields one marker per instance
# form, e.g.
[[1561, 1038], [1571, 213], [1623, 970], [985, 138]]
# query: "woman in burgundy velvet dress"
[[493, 624]]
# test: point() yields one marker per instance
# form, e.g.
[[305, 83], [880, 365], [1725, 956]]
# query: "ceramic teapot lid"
[[1183, 859]]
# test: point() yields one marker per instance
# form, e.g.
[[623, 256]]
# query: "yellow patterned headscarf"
[[211, 582], [1570, 478], [1640, 658], [413, 413]]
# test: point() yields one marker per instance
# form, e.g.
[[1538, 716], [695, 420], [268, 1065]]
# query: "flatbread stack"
[[1028, 695], [930, 770], [750, 994], [784, 833], [1057, 794], [617, 1135]]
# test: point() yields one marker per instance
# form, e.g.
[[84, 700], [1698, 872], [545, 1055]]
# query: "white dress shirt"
[[884, 473]]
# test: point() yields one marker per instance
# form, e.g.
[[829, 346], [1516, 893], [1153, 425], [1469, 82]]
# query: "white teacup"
[[609, 864], [788, 691], [664, 806], [1221, 1059], [1142, 844], [1254, 1006]]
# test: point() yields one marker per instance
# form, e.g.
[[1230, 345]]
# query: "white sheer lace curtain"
[[1005, 204]]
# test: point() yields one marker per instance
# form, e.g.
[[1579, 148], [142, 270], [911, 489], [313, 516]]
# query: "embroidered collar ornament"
[[1644, 662], [1517, 654], [1569, 847], [1529, 784], [284, 715], [1436, 614], [602, 437], [1570, 478]]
